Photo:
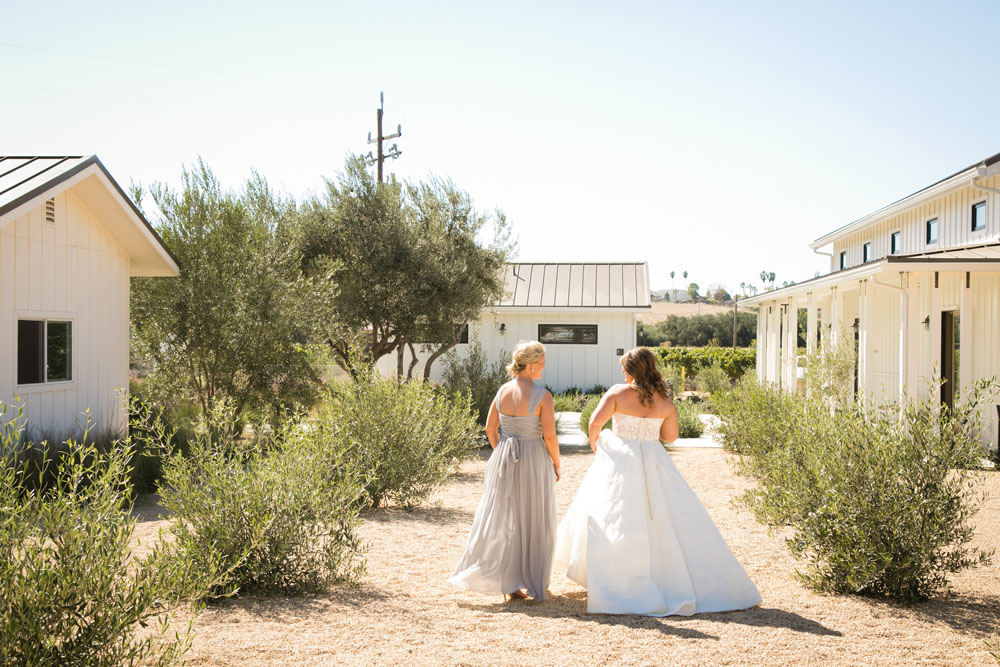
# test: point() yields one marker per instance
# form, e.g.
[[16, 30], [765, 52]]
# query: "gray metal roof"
[[25, 178], [21, 177], [576, 285]]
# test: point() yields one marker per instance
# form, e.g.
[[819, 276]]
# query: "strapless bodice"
[[628, 427]]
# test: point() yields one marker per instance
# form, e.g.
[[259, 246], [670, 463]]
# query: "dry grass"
[[406, 614], [661, 309]]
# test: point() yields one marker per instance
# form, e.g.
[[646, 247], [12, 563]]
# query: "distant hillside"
[[662, 309]]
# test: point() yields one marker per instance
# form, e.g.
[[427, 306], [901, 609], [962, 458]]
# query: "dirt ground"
[[405, 613], [661, 309]]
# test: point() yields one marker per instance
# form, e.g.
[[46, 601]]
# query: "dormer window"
[[894, 239], [979, 216], [932, 231], [866, 252], [843, 259]]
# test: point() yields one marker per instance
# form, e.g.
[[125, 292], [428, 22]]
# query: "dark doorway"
[[950, 357]]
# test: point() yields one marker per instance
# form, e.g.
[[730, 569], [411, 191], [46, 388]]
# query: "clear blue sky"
[[717, 138]]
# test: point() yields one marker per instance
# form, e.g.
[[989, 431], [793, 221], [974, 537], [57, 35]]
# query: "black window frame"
[[576, 328], [895, 241], [866, 252], [843, 259], [35, 343], [979, 214], [931, 222]]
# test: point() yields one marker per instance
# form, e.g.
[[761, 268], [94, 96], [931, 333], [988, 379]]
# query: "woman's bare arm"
[[548, 416], [604, 411], [670, 428], [493, 425]]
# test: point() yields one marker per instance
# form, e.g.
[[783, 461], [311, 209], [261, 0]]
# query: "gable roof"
[[959, 179], [576, 285], [26, 181]]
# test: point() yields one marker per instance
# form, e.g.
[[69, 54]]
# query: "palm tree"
[[672, 273]]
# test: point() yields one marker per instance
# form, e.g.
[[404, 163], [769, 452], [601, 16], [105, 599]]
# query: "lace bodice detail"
[[628, 427]]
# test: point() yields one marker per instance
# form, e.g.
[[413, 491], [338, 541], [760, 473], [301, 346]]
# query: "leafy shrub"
[[566, 402], [690, 426], [573, 399], [673, 376], [713, 379], [73, 594], [282, 517], [473, 374], [734, 362], [587, 411], [880, 501], [406, 437]]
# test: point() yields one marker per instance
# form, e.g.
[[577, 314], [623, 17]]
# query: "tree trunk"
[[413, 362]]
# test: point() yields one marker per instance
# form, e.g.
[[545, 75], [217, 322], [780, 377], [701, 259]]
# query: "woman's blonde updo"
[[640, 363], [526, 353]]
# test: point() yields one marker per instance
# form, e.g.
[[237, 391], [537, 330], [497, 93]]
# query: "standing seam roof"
[[576, 285]]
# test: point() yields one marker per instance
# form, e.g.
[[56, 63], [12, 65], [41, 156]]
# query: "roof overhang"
[[954, 182], [562, 310], [114, 211], [985, 258]]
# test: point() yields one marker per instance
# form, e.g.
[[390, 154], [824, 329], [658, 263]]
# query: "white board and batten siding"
[[70, 239], [68, 270], [605, 295]]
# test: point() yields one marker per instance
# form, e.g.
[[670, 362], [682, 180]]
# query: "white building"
[[584, 313], [70, 239], [913, 283]]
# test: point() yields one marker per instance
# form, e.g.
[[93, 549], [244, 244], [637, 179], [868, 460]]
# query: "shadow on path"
[[969, 614], [438, 516]]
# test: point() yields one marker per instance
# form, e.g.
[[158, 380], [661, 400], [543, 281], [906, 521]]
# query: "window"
[[843, 259], [44, 351], [932, 235], [866, 252], [894, 243], [979, 216], [464, 336], [580, 334]]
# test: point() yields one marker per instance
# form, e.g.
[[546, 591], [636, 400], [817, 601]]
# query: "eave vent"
[[50, 211]]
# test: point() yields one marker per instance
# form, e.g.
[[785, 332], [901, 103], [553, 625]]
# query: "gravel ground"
[[405, 613]]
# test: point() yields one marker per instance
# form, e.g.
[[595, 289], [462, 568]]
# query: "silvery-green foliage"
[[688, 423], [880, 500], [73, 590], [281, 514], [474, 374], [406, 437]]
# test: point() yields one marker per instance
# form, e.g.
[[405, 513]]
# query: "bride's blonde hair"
[[525, 354], [640, 363]]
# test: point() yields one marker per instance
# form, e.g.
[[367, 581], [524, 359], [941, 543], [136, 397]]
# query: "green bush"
[[406, 437], [474, 375], [713, 379], [73, 594], [566, 402], [283, 517], [690, 425], [587, 411], [880, 501], [734, 362], [574, 399]]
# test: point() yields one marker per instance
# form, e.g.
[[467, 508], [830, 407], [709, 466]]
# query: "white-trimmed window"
[[931, 231], [894, 243], [843, 259], [44, 351], [567, 334], [866, 252], [979, 216]]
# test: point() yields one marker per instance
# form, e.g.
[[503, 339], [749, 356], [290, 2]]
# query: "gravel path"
[[406, 614]]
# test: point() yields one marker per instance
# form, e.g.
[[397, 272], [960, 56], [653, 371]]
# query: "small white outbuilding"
[[70, 239], [584, 313]]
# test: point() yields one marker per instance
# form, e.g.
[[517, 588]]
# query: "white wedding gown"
[[639, 540]]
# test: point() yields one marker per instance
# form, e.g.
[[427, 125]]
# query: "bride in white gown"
[[636, 536]]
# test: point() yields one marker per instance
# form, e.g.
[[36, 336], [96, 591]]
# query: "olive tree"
[[228, 326]]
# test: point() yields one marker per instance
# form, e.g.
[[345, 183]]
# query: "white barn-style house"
[[70, 239], [916, 284], [584, 313]]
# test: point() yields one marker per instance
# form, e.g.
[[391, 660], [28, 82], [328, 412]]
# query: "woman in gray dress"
[[513, 534]]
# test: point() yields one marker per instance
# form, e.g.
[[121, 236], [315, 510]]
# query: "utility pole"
[[393, 151], [736, 299]]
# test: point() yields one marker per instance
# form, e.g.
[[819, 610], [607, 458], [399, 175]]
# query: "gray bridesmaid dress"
[[513, 534]]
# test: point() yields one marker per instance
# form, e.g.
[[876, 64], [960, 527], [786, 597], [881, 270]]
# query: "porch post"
[[774, 340], [810, 323], [835, 315], [965, 361], [904, 321], [914, 329], [791, 345], [863, 324], [935, 326]]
